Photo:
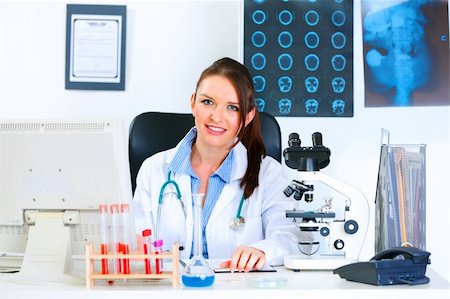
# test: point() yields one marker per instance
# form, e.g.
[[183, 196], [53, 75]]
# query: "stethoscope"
[[236, 223]]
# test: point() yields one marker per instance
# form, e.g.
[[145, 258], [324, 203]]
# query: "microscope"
[[332, 216]]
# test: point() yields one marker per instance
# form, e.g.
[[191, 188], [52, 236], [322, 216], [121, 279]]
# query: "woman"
[[224, 157]]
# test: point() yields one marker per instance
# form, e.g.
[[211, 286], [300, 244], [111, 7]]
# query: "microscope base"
[[301, 262]]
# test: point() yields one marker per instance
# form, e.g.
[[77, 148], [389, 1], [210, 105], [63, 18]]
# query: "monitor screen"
[[53, 177]]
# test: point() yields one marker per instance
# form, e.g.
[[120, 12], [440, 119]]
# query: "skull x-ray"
[[338, 84], [259, 82], [300, 56], [284, 106], [260, 104], [311, 106], [312, 84], [338, 106], [285, 84]]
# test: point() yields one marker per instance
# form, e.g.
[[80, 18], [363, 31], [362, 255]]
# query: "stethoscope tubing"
[[168, 182]]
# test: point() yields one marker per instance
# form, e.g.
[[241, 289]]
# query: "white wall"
[[168, 44]]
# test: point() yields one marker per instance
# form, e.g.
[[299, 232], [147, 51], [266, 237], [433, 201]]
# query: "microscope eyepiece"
[[294, 140], [317, 139], [306, 158]]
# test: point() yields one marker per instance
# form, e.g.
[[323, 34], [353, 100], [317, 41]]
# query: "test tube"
[[125, 245], [103, 209], [146, 236], [115, 242], [158, 250]]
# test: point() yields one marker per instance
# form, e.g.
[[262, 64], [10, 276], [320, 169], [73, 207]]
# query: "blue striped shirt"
[[181, 163]]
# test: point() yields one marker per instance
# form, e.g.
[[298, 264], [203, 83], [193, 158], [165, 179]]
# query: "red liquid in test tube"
[[103, 209], [115, 236], [146, 236], [158, 262], [124, 209]]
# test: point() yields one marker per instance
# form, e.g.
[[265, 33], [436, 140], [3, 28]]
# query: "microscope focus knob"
[[324, 231], [351, 227], [338, 244]]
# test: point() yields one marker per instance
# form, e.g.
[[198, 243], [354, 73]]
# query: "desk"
[[304, 284]]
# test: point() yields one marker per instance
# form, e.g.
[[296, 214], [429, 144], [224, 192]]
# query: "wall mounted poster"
[[406, 53], [300, 56]]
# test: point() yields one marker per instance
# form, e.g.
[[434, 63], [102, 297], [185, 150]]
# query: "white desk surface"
[[303, 284]]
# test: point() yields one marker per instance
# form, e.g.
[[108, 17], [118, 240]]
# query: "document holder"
[[400, 197]]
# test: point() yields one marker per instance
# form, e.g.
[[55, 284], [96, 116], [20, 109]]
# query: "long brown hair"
[[250, 135]]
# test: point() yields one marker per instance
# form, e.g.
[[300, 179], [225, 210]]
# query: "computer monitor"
[[53, 177]]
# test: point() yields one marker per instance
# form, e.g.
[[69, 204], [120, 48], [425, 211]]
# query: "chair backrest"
[[153, 132]]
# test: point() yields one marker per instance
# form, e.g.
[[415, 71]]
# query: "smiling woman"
[[215, 107], [224, 157]]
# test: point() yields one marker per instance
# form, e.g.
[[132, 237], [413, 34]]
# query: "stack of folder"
[[400, 198]]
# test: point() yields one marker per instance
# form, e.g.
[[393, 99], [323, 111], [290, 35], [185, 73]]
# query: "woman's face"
[[215, 107]]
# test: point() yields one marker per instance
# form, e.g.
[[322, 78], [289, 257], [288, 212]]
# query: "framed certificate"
[[95, 47]]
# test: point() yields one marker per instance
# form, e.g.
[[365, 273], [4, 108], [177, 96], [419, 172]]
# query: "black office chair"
[[152, 132]]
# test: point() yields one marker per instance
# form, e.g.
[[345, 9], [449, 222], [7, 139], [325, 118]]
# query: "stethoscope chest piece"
[[237, 223]]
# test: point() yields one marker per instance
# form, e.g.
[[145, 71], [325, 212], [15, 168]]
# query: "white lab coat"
[[266, 226]]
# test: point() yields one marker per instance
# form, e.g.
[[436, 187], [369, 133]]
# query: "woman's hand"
[[245, 259]]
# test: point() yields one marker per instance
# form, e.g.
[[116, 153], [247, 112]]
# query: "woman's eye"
[[233, 107], [207, 102]]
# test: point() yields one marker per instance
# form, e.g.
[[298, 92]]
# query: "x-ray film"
[[406, 53], [300, 56]]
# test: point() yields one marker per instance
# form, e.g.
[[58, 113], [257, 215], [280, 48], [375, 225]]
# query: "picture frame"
[[95, 47]]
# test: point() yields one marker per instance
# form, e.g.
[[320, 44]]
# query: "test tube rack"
[[92, 275]]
